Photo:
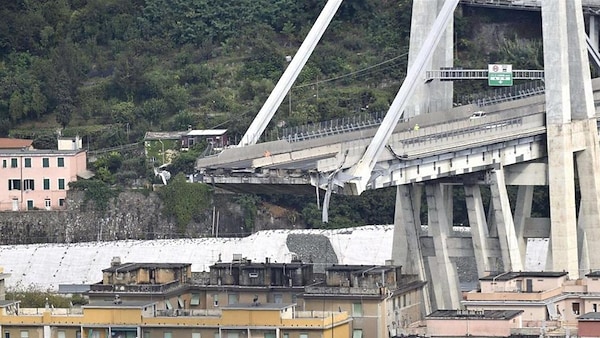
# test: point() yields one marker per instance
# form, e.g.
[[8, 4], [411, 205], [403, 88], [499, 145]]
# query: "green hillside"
[[111, 70]]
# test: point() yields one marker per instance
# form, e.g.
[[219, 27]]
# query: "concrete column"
[[593, 30], [583, 115], [522, 212], [588, 164], [566, 90], [449, 205], [406, 247], [479, 229], [511, 254], [446, 286], [580, 79], [436, 95], [563, 232]]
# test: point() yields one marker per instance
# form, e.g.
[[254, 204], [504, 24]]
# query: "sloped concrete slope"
[[45, 266]]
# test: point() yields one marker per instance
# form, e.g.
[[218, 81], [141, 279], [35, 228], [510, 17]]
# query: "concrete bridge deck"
[[446, 144]]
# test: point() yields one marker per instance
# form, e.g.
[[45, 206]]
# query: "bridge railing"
[[327, 128], [503, 94], [364, 121]]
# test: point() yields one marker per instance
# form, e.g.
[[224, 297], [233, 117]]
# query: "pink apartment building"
[[549, 301], [38, 179]]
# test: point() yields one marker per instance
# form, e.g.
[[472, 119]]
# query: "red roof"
[[14, 143]]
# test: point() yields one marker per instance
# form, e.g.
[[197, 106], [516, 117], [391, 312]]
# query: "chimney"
[[116, 261]]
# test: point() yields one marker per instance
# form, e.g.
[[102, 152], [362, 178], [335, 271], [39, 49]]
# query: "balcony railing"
[[138, 288], [343, 290]]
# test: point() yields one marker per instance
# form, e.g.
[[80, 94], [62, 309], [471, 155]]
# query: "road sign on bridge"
[[500, 75]]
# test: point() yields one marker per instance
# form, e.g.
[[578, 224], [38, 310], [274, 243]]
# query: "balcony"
[[344, 290], [134, 288], [513, 296]]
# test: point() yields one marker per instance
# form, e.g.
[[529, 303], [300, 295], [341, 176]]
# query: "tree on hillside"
[[65, 106]]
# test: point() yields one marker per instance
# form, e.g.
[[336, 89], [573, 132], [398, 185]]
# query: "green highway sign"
[[500, 75]]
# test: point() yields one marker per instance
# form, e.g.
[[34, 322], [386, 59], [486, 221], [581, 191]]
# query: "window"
[[3, 163], [196, 335], [195, 299], [61, 202], [169, 305], [61, 334], [595, 307], [232, 298], [575, 307], [216, 299], [61, 184], [60, 161], [278, 298], [46, 184], [6, 334], [357, 310], [357, 333], [168, 335], [47, 204], [14, 184], [13, 162], [45, 162], [27, 163], [270, 335], [28, 185], [286, 335], [29, 204], [24, 334], [304, 335]]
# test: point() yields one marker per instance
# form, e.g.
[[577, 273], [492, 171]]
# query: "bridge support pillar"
[[424, 13], [588, 164], [571, 129], [593, 29], [522, 213], [447, 293], [406, 246], [479, 228], [509, 245]]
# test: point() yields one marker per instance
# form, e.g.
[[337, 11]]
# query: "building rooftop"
[[361, 268], [126, 267], [258, 265], [5, 303], [37, 152], [164, 135], [590, 316], [14, 143], [506, 276], [206, 132], [119, 304], [475, 314], [258, 306], [593, 274]]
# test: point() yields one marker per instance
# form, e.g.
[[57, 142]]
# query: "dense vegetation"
[[111, 70]]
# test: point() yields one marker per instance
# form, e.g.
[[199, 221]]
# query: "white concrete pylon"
[[284, 84], [446, 285], [509, 245]]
